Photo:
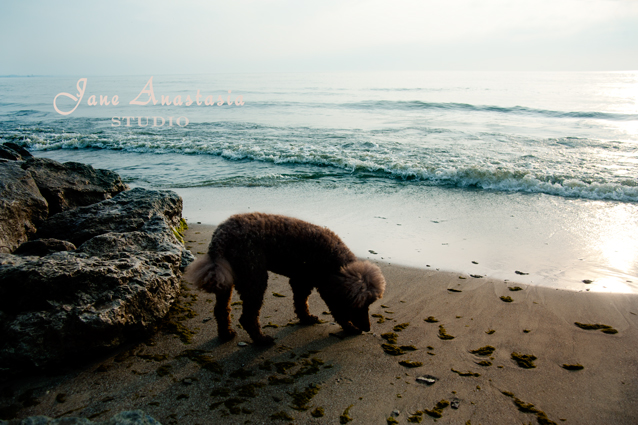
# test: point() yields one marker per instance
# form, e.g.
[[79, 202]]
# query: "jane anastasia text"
[[146, 96]]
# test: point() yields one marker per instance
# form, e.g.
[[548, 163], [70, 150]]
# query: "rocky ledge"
[[86, 263]]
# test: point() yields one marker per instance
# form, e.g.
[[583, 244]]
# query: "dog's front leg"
[[300, 293]]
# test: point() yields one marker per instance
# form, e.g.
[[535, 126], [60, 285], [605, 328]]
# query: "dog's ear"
[[363, 282]]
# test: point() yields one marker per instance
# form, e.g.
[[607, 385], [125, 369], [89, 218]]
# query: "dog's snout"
[[361, 321]]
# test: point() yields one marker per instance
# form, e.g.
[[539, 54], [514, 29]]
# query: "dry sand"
[[205, 382]]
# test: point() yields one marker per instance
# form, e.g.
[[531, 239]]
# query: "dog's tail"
[[211, 275], [363, 281]]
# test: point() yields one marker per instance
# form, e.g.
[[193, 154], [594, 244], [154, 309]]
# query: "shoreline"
[[204, 381], [528, 238]]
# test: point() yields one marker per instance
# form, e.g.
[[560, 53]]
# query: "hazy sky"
[[192, 37]]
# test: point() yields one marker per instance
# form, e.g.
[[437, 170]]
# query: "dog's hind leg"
[[252, 301], [222, 314], [300, 293]]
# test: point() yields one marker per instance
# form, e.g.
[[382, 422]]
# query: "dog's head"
[[362, 283]]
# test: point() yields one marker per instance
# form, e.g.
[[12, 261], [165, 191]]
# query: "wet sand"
[[184, 375]]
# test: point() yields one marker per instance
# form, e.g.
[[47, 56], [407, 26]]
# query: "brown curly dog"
[[246, 246]]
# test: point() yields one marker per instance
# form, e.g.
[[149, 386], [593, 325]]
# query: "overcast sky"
[[193, 37]]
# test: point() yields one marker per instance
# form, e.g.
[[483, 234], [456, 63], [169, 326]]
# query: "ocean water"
[[528, 172]]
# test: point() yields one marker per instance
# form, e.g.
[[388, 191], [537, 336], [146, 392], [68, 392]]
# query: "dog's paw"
[[227, 335], [310, 320], [264, 340], [351, 330]]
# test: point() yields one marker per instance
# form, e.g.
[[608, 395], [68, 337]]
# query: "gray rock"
[[119, 282], [126, 212], [131, 417], [10, 154], [42, 247], [22, 207], [70, 304], [70, 185], [13, 151]]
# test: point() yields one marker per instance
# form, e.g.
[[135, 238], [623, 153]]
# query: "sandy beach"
[[486, 359]]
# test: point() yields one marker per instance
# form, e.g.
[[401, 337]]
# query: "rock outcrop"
[[58, 302], [70, 185], [22, 206]]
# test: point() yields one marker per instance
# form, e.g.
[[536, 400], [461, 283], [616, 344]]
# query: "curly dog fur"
[[246, 246]]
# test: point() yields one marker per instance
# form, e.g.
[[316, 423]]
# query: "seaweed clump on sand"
[[400, 327], [484, 351], [465, 373], [431, 319], [515, 288], [577, 366], [179, 312], [300, 399], [391, 337], [506, 299], [345, 416], [318, 412], [392, 349], [437, 411], [443, 333], [526, 361], [596, 326], [541, 416], [409, 363], [309, 367], [281, 416], [201, 358]]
